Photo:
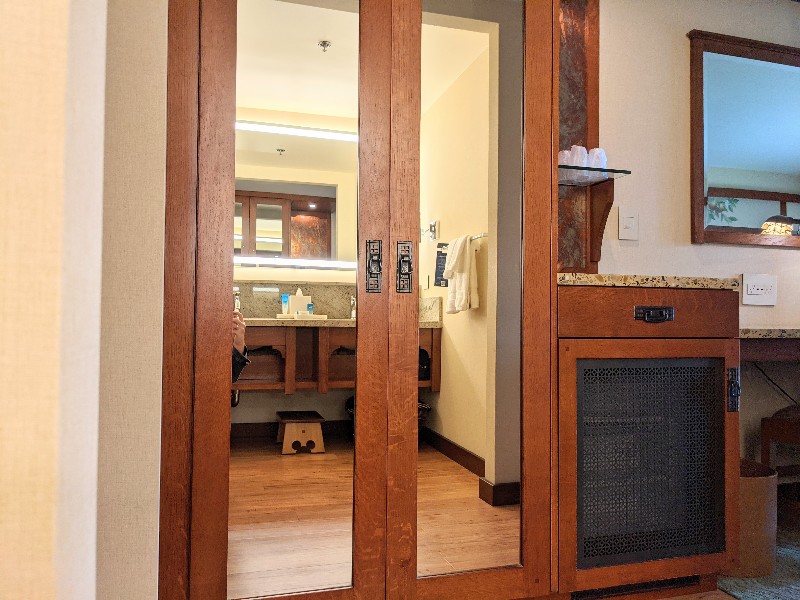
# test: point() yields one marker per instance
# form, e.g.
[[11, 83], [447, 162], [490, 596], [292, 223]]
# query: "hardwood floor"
[[456, 530], [290, 520]]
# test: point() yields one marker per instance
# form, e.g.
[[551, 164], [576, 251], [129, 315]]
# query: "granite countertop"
[[322, 323], [772, 333], [649, 281]]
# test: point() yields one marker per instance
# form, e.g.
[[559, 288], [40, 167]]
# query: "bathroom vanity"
[[291, 355]]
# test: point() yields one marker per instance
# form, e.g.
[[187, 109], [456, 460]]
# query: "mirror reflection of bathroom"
[[751, 150], [470, 208], [294, 250]]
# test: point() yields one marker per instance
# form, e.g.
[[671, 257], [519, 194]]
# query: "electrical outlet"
[[759, 289]]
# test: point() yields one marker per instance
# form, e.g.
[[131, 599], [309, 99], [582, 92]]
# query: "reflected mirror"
[[745, 141], [470, 189]]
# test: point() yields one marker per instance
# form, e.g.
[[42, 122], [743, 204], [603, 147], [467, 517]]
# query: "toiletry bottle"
[[237, 302], [310, 308], [352, 307], [285, 304]]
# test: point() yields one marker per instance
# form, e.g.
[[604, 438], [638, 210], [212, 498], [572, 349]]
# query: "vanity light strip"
[[297, 263], [322, 134], [265, 240]]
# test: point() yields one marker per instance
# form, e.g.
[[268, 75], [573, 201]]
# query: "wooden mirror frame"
[[703, 41]]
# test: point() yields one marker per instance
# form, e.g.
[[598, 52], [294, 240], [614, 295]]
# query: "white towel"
[[462, 275]]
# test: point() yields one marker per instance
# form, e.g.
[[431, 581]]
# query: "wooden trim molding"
[[752, 194], [498, 494], [470, 461], [183, 35]]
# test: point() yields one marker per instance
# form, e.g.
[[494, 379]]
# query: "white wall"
[[132, 299], [454, 189], [52, 60], [644, 126]]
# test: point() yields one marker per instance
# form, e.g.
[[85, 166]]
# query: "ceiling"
[[752, 114], [280, 67]]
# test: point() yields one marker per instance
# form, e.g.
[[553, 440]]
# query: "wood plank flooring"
[[290, 520]]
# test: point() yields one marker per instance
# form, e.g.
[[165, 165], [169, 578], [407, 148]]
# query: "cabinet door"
[[469, 486], [648, 460]]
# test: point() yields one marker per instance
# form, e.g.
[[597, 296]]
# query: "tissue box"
[[298, 304]]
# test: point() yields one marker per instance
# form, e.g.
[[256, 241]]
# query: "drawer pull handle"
[[654, 314]]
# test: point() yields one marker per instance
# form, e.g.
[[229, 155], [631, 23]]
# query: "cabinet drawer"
[[590, 311]]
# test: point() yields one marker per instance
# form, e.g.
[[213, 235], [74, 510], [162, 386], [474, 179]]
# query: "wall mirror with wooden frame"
[[283, 225], [745, 119]]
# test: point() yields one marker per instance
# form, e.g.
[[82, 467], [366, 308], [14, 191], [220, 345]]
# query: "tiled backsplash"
[[263, 300]]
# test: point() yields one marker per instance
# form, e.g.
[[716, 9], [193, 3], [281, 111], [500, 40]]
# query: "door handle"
[[654, 314], [405, 266], [374, 266]]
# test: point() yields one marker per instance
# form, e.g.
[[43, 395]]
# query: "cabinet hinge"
[[734, 390]]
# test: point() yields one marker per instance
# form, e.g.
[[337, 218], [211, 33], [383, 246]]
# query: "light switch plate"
[[759, 289], [628, 223]]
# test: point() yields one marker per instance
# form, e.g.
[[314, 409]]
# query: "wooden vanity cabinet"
[[648, 435], [288, 359]]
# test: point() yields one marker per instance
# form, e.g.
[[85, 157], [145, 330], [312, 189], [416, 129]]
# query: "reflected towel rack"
[[472, 239]]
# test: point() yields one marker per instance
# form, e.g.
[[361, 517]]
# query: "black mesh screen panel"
[[651, 476]]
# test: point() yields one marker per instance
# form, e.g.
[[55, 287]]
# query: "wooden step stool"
[[300, 431]]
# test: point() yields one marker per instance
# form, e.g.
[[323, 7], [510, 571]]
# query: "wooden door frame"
[[198, 273], [197, 301]]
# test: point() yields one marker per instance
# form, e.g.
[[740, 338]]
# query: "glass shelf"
[[586, 176]]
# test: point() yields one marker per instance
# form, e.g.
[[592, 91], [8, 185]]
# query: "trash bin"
[[758, 521]]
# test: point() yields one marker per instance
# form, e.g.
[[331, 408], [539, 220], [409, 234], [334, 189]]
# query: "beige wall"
[[33, 55], [52, 60], [132, 298], [644, 127], [454, 189]]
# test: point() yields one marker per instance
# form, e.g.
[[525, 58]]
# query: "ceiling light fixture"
[[312, 206], [298, 263], [322, 134], [324, 44]]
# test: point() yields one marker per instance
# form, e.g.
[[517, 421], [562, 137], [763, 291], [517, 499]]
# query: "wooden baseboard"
[[330, 430], [498, 494], [462, 456]]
